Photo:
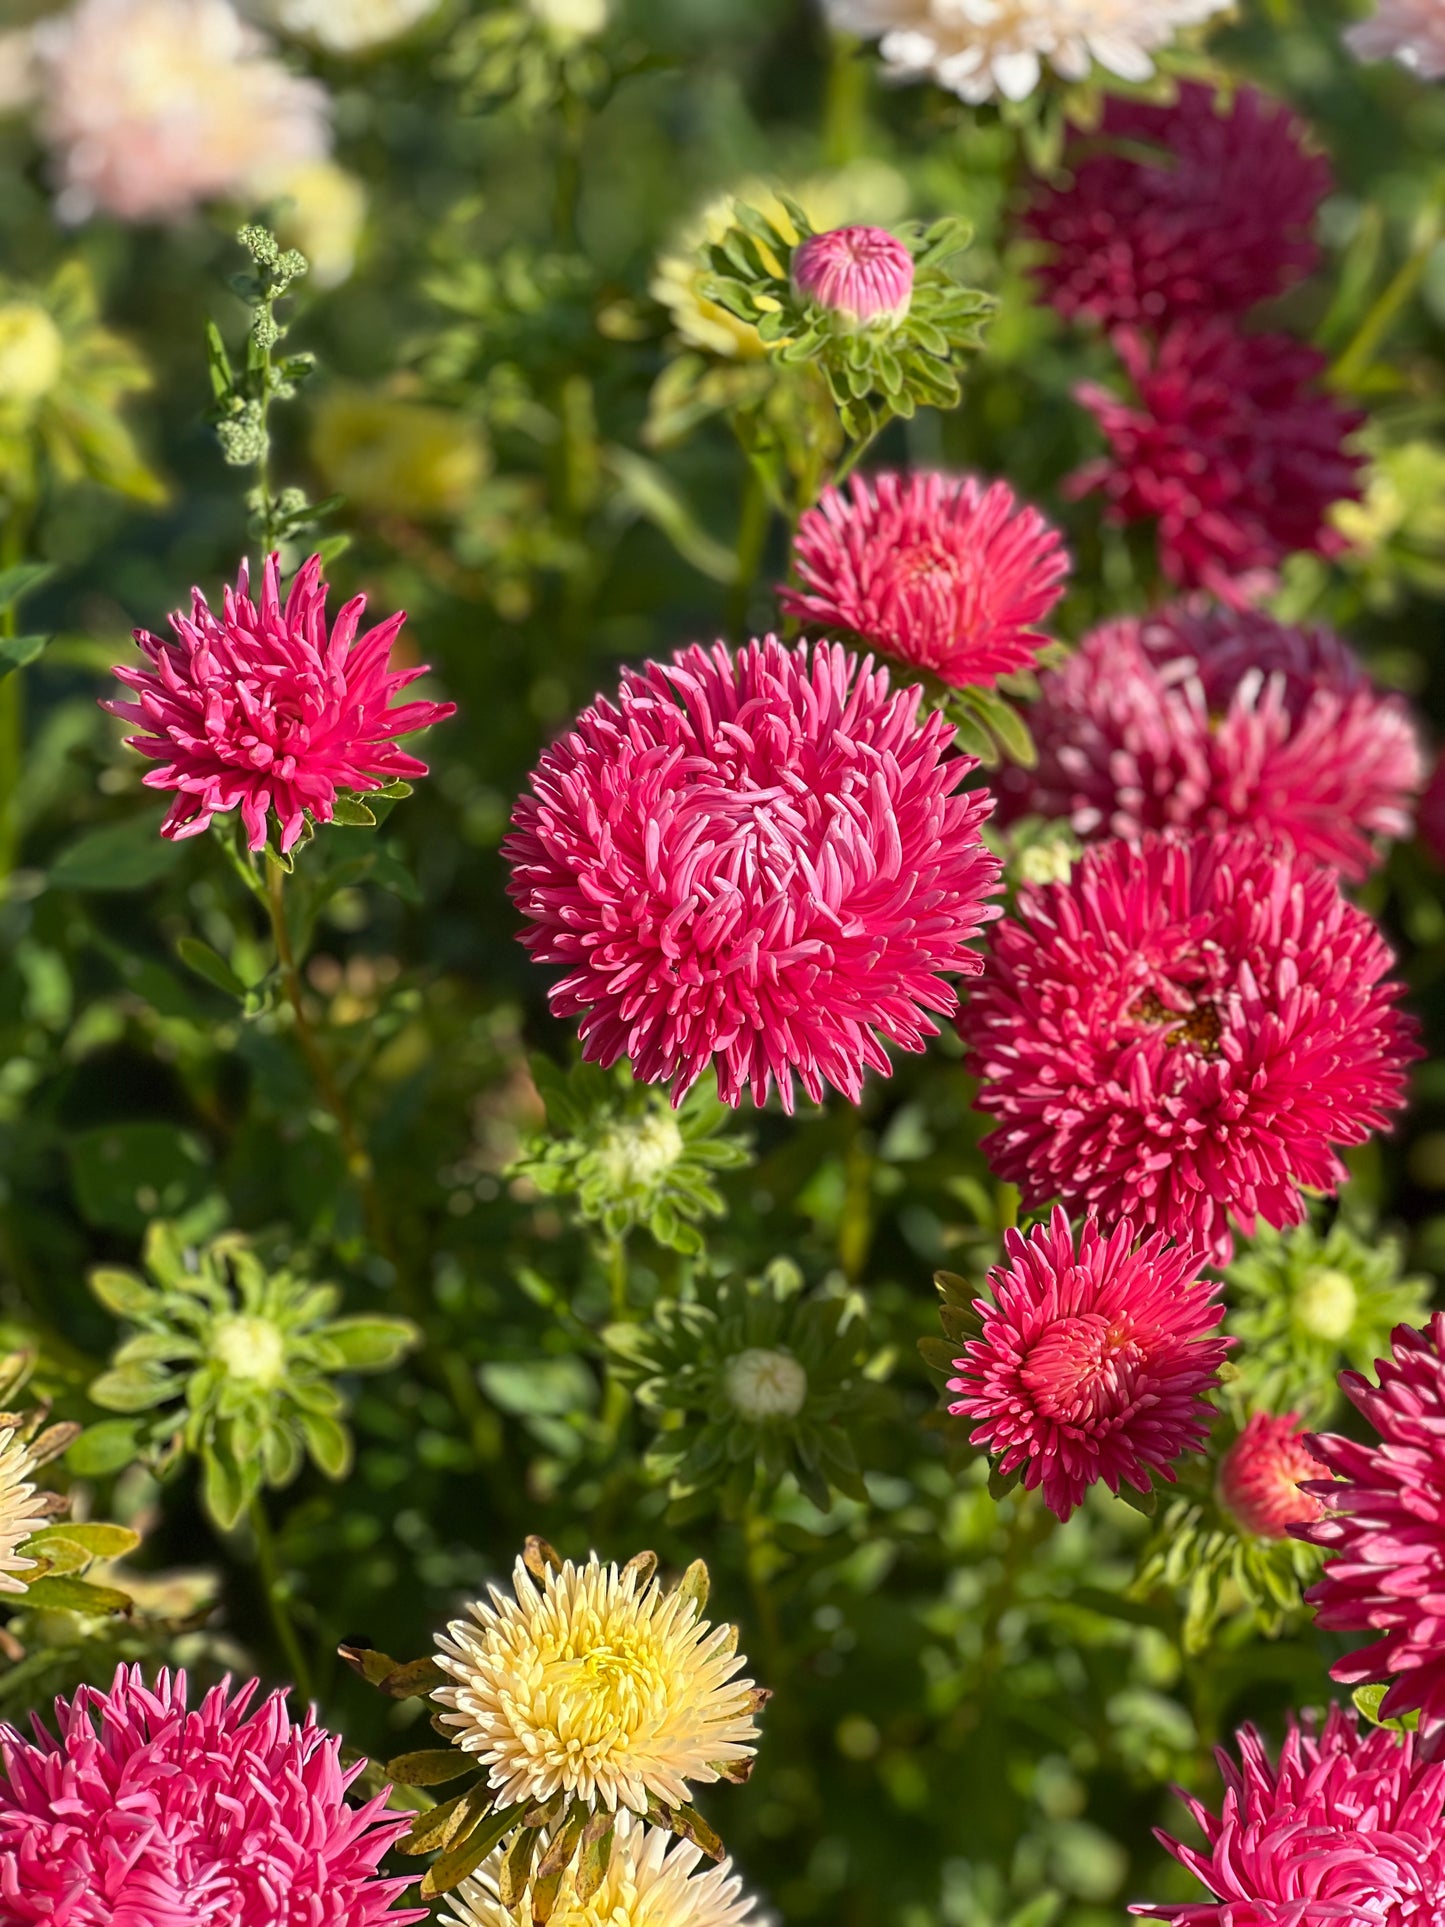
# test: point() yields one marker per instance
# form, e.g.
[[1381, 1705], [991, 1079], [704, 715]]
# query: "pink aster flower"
[[1344, 1832], [1410, 31], [1185, 1029], [258, 709], [146, 1813], [757, 862], [861, 274], [1385, 1531], [1229, 447], [1094, 1363], [934, 570], [1194, 718], [1219, 221], [1260, 1474]]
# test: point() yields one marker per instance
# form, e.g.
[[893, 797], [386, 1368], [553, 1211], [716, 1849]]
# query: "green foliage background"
[[973, 1715]]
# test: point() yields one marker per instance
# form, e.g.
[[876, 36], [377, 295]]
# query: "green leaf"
[[104, 1448], [211, 965], [455, 1865], [227, 1488], [351, 813], [218, 362], [654, 495], [433, 1767], [97, 1541], [17, 651], [133, 1388], [370, 1344], [123, 1293], [76, 1596], [58, 1557], [412, 1680], [120, 856], [20, 579], [328, 1442]]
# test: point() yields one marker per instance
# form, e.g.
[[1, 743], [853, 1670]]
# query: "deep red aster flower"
[[1260, 1474], [934, 570], [758, 862], [1217, 221], [258, 709], [1344, 1832], [1229, 446], [1431, 813], [1195, 718], [1185, 1029], [1385, 1531], [864, 275], [144, 1813], [1094, 1363]]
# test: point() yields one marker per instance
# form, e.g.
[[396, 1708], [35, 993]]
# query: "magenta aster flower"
[[1260, 1474], [1385, 1531], [1229, 447], [258, 709], [1344, 1832], [1194, 718], [934, 570], [757, 862], [1431, 814], [145, 1813], [1094, 1363], [1183, 1030], [861, 274], [1219, 221]]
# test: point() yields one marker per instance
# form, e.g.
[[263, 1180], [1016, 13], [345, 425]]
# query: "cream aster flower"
[[22, 1510], [595, 1681], [647, 1884], [153, 106], [979, 48], [1410, 31], [343, 26]]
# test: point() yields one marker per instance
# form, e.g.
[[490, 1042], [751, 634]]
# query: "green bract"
[[750, 1379], [1306, 1306], [874, 372], [236, 1361], [1220, 1572], [626, 1158]]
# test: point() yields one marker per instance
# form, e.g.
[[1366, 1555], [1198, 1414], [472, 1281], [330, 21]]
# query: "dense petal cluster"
[[1343, 1832], [1260, 1474], [1219, 221], [758, 862], [651, 1881], [1197, 718], [143, 1810], [1184, 1030], [1384, 1530], [153, 106], [1094, 1361], [936, 571], [597, 1681], [1229, 446], [22, 1512], [863, 275], [1410, 31], [258, 709], [978, 51]]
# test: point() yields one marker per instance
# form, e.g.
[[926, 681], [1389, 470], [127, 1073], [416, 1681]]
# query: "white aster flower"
[[22, 1512], [597, 1682], [1410, 31], [648, 1883], [343, 26], [979, 48], [152, 106]]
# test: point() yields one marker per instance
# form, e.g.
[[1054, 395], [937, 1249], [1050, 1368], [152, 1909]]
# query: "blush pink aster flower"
[[934, 570], [1219, 221], [1384, 1531], [758, 862], [146, 1813], [1410, 31], [1184, 1030], [259, 709], [1199, 718], [862, 275], [1094, 1362], [1260, 1474], [1229, 446], [1344, 1832]]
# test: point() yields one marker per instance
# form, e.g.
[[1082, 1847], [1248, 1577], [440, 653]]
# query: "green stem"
[[573, 118], [281, 1621], [618, 1272], [1356, 360], [844, 102], [758, 1544], [12, 706], [754, 517]]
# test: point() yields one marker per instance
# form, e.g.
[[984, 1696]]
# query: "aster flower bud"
[[32, 354], [863, 275], [1260, 1473]]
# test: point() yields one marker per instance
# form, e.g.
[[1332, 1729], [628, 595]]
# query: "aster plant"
[[749, 1380], [236, 1360], [591, 1698]]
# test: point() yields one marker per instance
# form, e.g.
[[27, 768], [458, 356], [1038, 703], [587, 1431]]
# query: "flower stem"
[[758, 1542], [844, 102], [754, 517], [12, 708], [618, 1272], [1355, 361], [281, 1621]]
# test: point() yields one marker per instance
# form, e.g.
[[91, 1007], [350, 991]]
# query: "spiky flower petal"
[[597, 1682], [651, 1881], [864, 275], [21, 1513], [1260, 1474]]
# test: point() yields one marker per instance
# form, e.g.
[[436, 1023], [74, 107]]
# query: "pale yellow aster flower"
[[648, 1883], [343, 26], [22, 1511], [595, 1681]]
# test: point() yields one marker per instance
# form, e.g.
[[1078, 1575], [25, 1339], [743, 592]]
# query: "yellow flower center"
[[1326, 1303], [250, 1349], [32, 353]]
